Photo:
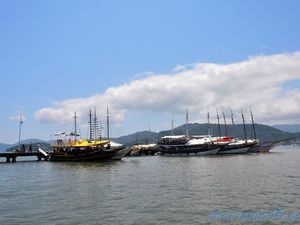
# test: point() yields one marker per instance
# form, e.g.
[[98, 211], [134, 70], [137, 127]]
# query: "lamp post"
[[20, 128]]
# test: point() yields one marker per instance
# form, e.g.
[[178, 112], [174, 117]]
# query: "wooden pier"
[[12, 156]]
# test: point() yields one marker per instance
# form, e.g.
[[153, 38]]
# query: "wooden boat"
[[83, 150], [146, 149], [67, 147], [264, 146]]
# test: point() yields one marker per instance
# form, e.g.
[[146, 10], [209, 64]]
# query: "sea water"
[[233, 189]]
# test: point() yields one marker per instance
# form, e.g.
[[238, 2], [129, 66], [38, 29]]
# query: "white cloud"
[[257, 82]]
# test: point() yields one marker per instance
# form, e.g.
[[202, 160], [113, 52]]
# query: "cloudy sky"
[[146, 60]]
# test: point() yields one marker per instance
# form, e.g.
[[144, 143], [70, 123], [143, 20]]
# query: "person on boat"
[[30, 147], [23, 148]]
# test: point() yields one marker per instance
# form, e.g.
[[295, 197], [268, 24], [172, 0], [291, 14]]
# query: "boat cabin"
[[173, 140]]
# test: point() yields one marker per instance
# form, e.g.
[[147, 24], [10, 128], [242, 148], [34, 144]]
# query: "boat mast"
[[107, 122], [226, 132], [187, 122], [208, 124], [90, 124], [20, 127], [245, 132], [100, 129], [75, 123], [232, 121], [253, 125], [172, 125], [96, 126], [219, 127]]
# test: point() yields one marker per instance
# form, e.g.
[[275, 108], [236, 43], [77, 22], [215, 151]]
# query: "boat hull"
[[234, 150], [120, 153], [197, 150], [264, 147], [95, 155]]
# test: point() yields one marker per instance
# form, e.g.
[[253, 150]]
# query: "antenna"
[[253, 125], [226, 132], [218, 123], [232, 122], [245, 132]]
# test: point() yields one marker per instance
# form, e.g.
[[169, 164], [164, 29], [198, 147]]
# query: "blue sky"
[[59, 50]]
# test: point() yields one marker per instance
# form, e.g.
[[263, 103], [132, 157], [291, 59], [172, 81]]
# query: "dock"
[[12, 156]]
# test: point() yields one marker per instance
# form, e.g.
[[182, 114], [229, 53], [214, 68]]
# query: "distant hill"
[[27, 142], [143, 137], [3, 147], [263, 132], [292, 128]]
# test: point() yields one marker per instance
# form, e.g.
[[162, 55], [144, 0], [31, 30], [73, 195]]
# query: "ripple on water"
[[150, 190]]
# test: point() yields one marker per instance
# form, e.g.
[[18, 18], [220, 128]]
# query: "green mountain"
[[292, 128], [27, 142], [263, 132], [143, 137]]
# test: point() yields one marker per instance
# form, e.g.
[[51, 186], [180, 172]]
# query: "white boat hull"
[[208, 152], [235, 151], [190, 150]]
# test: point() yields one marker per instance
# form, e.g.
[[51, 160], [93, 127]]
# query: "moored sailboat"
[[235, 145], [261, 146], [185, 144], [67, 147], [264, 146], [181, 144]]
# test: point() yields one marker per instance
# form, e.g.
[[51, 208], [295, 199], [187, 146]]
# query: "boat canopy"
[[201, 136], [199, 141], [72, 134], [146, 146], [78, 143], [59, 133], [173, 137], [173, 140]]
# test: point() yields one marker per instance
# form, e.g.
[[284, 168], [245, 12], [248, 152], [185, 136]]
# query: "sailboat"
[[261, 146], [185, 144], [235, 145], [69, 147]]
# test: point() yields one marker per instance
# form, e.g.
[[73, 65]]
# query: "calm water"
[[155, 190]]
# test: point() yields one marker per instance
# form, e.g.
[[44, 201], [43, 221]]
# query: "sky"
[[146, 60]]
